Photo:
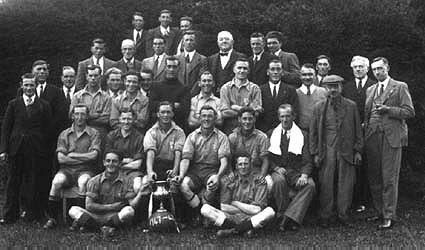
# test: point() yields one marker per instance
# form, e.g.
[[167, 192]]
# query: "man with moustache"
[[139, 36], [323, 66], [114, 81], [128, 62], [259, 60]]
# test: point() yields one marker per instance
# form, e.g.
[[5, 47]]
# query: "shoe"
[[23, 214], [249, 234], [373, 218], [107, 232], [226, 232], [50, 224], [360, 209], [74, 226], [387, 224]]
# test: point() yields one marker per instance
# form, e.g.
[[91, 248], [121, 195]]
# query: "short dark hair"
[[275, 60], [132, 73], [275, 34], [68, 68], [147, 71], [208, 107], [128, 110], [171, 58], [165, 103], [111, 71], [257, 35], [39, 62], [93, 67], [205, 72], [324, 57], [241, 59], [137, 13], [80, 105], [240, 154], [308, 65], [246, 109], [116, 152], [28, 76], [159, 37], [379, 58], [98, 40]]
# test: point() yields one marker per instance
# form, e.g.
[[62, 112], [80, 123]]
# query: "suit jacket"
[[359, 97], [191, 71], [268, 119], [148, 64], [258, 73], [291, 67], [141, 45], [80, 82], [350, 136], [214, 65], [137, 65], [396, 95], [28, 129], [170, 40]]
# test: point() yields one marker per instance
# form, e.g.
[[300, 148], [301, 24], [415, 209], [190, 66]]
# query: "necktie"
[[308, 90], [187, 58], [97, 61], [129, 65], [255, 60], [381, 88], [274, 91], [68, 95], [41, 90], [138, 36], [284, 143], [359, 85], [155, 66], [28, 104]]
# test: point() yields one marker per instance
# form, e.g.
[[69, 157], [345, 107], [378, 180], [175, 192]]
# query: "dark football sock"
[[244, 226]]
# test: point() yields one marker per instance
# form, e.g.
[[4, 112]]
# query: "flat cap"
[[39, 62], [332, 79]]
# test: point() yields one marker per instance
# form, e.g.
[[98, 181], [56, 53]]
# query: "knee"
[[82, 180], [269, 212], [137, 184], [206, 209], [185, 185], [75, 212], [126, 213], [58, 181]]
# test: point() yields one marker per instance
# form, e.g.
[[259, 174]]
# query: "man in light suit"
[[259, 61], [191, 63], [290, 62], [165, 30], [98, 50], [388, 105], [221, 64], [128, 62], [138, 36], [156, 63]]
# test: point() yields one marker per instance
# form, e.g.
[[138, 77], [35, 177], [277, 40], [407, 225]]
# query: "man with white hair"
[[128, 62], [221, 64], [355, 90]]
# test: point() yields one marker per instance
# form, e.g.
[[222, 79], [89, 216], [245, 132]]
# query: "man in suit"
[[191, 63], [165, 30], [221, 64], [273, 94], [156, 63], [355, 90], [388, 105], [259, 61], [323, 66], [336, 143], [186, 23], [138, 36], [68, 87], [98, 50], [128, 62], [289, 60], [24, 144]]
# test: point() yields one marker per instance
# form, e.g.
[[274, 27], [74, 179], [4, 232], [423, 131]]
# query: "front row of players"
[[236, 200]]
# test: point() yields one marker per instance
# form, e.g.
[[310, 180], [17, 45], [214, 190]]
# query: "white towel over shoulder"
[[296, 141]]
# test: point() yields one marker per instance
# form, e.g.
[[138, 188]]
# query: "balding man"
[[128, 62], [221, 64]]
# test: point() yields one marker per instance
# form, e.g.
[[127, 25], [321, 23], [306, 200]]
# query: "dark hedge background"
[[60, 31]]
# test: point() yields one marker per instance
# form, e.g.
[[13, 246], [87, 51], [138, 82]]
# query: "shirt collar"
[[277, 52], [200, 96], [288, 132], [86, 130], [138, 97], [258, 56], [71, 90], [173, 126], [32, 98], [247, 84], [364, 80], [99, 91], [199, 130], [163, 30], [385, 82], [119, 178], [128, 61], [228, 52], [303, 88], [95, 59], [129, 134], [191, 54]]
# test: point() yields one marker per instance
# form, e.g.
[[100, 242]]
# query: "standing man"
[[139, 36], [97, 50], [186, 23], [156, 63], [165, 30], [309, 95], [114, 82], [128, 62], [259, 61], [24, 144], [273, 94], [290, 63], [388, 105], [355, 90], [336, 143], [191, 62], [131, 99], [238, 93], [68, 87], [323, 66], [221, 64]]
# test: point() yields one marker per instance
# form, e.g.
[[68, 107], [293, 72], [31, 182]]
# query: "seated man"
[[204, 161], [243, 202], [289, 152], [77, 151], [110, 199], [129, 141]]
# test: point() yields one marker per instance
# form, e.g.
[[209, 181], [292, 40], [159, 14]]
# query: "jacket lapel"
[[232, 59], [388, 90], [195, 61], [161, 66]]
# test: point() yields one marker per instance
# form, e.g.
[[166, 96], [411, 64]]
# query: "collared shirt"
[[385, 83], [206, 150], [304, 88], [191, 54], [128, 61], [143, 92], [198, 101], [113, 95], [28, 100], [131, 146], [164, 143], [256, 144], [159, 58], [41, 88], [105, 191], [272, 85], [257, 56], [245, 190], [225, 59], [69, 141], [362, 81], [248, 94], [71, 91], [100, 63], [277, 52], [135, 32], [139, 105], [320, 78], [164, 31]]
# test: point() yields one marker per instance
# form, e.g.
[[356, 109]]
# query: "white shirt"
[[135, 32], [128, 61], [179, 47], [71, 91], [257, 57], [100, 62], [191, 54], [271, 85], [225, 59], [319, 78], [164, 31], [363, 81], [277, 52], [144, 93], [160, 57], [40, 87], [304, 89], [384, 83], [288, 133], [28, 100]]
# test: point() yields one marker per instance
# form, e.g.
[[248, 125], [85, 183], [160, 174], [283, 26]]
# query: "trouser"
[[279, 194], [113, 219], [298, 207], [383, 170], [361, 194]]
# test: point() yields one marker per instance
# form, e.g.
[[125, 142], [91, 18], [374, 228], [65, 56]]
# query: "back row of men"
[[329, 133]]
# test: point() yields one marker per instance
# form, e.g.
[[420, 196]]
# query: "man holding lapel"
[[259, 60], [388, 105]]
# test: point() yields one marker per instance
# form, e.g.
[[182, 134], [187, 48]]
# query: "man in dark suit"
[[191, 63], [68, 88], [259, 61], [128, 62], [156, 63], [273, 94], [186, 23], [355, 90], [138, 36], [98, 50], [290, 62], [323, 66], [388, 105], [24, 141], [165, 30], [221, 64]]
